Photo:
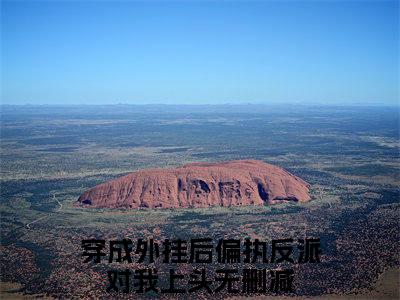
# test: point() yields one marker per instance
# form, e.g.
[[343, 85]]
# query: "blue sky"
[[317, 52]]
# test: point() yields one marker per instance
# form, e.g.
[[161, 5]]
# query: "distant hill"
[[231, 183]]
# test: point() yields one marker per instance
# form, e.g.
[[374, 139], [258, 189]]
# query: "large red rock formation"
[[242, 182]]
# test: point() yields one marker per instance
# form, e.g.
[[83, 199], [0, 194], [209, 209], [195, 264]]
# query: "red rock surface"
[[231, 183]]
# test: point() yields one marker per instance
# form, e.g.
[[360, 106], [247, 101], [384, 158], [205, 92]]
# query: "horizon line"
[[211, 104]]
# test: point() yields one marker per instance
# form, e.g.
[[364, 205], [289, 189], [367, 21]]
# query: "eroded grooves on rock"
[[232, 183]]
